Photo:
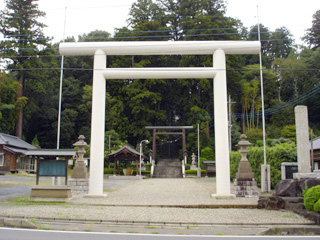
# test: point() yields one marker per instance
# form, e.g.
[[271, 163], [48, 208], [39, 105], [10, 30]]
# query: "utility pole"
[[109, 151], [61, 80], [265, 169], [230, 123]]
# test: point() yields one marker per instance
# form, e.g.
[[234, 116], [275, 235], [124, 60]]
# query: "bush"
[[311, 197], [289, 131], [235, 158], [316, 206], [108, 171], [148, 166], [254, 134], [285, 152], [143, 172], [195, 172], [207, 153]]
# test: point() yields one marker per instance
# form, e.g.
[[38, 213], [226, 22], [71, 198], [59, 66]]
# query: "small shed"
[[126, 155]]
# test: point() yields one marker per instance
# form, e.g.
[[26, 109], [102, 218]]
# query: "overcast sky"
[[84, 16]]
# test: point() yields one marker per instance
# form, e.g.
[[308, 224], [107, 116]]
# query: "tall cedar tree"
[[313, 34], [23, 40]]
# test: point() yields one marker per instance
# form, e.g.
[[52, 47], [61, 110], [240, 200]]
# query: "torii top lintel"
[[159, 47]]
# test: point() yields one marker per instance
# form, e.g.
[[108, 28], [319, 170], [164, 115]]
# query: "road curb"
[[163, 223], [301, 230]]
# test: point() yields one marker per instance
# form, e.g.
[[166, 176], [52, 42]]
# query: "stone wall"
[[79, 185]]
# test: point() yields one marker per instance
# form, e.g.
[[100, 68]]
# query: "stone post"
[[245, 184], [302, 134]]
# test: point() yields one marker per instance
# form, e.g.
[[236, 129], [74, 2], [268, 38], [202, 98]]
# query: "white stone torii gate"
[[100, 73]]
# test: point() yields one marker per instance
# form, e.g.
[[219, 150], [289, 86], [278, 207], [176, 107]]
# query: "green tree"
[[291, 76], [280, 43], [312, 37], [23, 39], [289, 132], [251, 95], [9, 103]]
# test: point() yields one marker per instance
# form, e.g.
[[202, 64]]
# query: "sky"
[[83, 16]]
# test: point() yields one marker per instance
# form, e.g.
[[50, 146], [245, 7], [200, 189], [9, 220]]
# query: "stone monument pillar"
[[245, 185], [303, 144], [302, 135], [79, 181]]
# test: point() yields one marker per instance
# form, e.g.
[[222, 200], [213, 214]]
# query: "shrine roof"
[[125, 148]]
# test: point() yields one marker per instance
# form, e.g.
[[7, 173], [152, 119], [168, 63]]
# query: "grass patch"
[[19, 201], [151, 227], [155, 232], [33, 220], [29, 183], [87, 230], [219, 233], [42, 227], [24, 201], [6, 185], [287, 216]]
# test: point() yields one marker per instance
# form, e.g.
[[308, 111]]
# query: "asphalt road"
[[23, 234], [14, 186]]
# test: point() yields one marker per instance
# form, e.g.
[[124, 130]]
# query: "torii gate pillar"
[[216, 48]]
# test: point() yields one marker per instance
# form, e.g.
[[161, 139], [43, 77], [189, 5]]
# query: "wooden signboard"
[[52, 168]]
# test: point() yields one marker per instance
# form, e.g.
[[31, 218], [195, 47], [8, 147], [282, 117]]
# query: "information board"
[[52, 168]]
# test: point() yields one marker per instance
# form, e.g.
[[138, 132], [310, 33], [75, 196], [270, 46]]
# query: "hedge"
[[195, 172], [235, 158], [284, 152], [110, 171]]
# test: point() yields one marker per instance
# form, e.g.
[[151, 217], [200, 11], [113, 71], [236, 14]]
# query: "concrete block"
[[19, 223], [47, 192]]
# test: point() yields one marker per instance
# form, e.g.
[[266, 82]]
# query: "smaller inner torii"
[[169, 130]]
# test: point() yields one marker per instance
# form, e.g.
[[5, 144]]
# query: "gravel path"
[[153, 214], [153, 192], [190, 191]]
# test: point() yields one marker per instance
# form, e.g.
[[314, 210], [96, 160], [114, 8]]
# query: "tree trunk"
[[208, 130], [20, 111]]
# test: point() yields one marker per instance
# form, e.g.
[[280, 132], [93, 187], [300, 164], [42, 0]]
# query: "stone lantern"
[[193, 163], [245, 184], [80, 168]]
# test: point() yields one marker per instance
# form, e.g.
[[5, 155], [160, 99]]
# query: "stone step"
[[168, 168]]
